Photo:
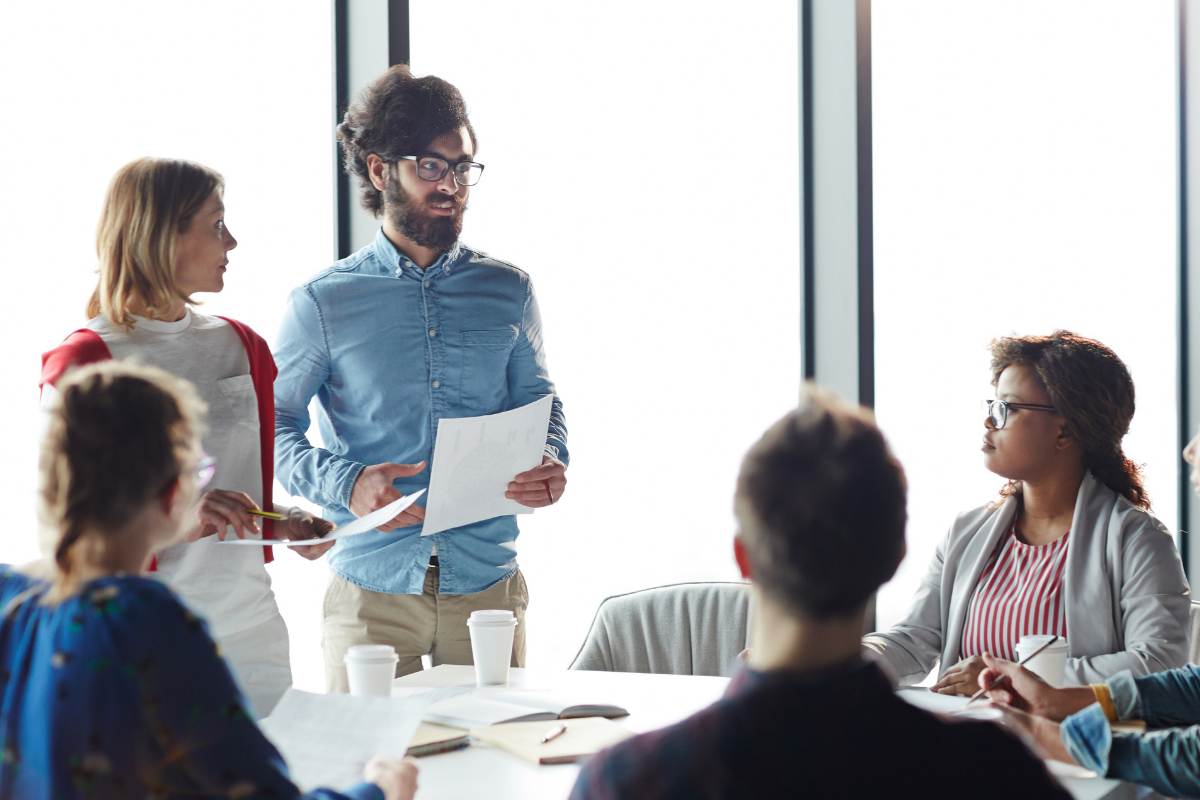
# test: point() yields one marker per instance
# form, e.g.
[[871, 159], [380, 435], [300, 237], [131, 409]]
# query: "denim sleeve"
[[1167, 761], [302, 355], [529, 379], [1163, 700]]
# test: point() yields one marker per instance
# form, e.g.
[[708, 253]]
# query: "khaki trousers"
[[415, 624]]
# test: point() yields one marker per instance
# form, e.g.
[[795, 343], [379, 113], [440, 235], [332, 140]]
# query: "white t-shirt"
[[228, 586]]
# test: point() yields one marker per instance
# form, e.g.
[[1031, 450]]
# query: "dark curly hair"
[[397, 115], [821, 507], [1092, 390]]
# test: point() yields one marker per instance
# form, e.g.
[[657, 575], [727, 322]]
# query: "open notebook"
[[583, 737], [481, 707]]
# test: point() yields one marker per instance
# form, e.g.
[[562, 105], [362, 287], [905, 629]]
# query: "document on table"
[[361, 525], [327, 739], [475, 459]]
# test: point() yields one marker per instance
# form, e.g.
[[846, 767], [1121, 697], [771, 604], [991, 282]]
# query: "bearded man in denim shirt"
[[413, 328]]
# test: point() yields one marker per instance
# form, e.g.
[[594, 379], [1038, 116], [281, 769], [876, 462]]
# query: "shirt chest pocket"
[[241, 405], [484, 382]]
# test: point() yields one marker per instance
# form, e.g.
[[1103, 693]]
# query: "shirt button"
[[437, 384], [398, 270], [426, 284], [432, 332], [447, 268]]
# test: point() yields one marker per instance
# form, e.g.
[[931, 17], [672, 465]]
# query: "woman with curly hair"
[[1070, 549]]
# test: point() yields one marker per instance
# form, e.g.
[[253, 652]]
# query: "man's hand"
[[540, 486], [962, 678], [373, 490], [220, 508], [299, 524], [1016, 686], [396, 779]]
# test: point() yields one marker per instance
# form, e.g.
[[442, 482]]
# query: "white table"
[[653, 701]]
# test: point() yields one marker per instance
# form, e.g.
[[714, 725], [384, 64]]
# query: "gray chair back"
[[681, 629], [1194, 635]]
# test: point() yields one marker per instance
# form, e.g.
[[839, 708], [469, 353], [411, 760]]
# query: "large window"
[[1025, 180], [643, 167], [242, 87]]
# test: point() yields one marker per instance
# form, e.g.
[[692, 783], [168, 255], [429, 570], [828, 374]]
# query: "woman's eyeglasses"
[[206, 467], [997, 410]]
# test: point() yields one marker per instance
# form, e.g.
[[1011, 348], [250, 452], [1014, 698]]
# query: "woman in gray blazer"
[[1063, 405]]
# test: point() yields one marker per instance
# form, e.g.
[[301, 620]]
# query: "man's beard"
[[414, 222]]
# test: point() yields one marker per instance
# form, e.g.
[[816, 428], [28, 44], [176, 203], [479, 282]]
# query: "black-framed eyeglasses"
[[997, 410], [433, 169]]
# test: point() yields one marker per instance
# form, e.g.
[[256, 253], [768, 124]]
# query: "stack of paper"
[[490, 706], [327, 739]]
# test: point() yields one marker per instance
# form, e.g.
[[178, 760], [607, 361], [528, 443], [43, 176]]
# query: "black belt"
[[433, 561]]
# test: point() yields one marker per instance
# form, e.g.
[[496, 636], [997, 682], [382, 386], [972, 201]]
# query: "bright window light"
[[242, 87], [1025, 180], [643, 167]]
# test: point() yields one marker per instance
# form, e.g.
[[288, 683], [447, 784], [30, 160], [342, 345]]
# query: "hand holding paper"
[[360, 525]]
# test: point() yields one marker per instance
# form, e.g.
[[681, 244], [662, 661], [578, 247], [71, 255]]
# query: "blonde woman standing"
[[161, 239]]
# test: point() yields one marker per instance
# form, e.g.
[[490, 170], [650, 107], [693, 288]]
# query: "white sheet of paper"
[[475, 459], [326, 739], [361, 525]]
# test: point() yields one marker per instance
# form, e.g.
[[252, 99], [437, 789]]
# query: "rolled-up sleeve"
[[529, 378], [302, 355]]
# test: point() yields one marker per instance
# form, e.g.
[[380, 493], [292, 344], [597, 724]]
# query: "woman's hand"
[[397, 779], [300, 524], [220, 509], [1042, 735], [962, 678], [1019, 688]]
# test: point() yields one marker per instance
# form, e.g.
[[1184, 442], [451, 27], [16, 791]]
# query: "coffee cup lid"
[[492, 617], [371, 652], [1031, 642]]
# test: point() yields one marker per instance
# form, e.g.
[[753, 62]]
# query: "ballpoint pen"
[[554, 733], [1021, 663]]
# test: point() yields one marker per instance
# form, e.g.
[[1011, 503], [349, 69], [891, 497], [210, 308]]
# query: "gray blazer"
[[1127, 599]]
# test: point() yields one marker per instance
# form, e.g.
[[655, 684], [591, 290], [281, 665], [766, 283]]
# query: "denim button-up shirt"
[[389, 349], [1168, 761]]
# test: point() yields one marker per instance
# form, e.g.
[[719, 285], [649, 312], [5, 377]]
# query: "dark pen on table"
[[992, 685]]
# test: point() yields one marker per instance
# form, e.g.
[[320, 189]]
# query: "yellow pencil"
[[267, 514]]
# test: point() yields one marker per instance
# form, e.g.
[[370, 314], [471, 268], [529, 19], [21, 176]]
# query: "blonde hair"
[[149, 202], [119, 436]]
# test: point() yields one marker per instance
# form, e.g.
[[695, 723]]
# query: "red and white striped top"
[[1019, 593]]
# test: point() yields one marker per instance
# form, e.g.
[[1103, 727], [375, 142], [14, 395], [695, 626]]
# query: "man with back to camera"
[[820, 503], [413, 328]]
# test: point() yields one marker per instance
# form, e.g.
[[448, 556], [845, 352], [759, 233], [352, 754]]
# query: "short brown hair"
[[821, 506], [397, 115], [119, 435], [1093, 391], [149, 202]]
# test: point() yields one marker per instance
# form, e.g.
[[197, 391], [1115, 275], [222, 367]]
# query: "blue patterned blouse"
[[119, 692]]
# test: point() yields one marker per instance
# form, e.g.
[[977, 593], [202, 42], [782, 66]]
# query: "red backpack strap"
[[262, 375], [83, 346]]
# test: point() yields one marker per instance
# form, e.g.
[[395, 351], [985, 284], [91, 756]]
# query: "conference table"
[[653, 701]]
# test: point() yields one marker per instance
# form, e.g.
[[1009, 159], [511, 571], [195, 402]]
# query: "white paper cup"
[[491, 645], [371, 668], [1050, 664]]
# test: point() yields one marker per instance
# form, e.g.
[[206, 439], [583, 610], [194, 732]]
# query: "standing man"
[[414, 327]]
